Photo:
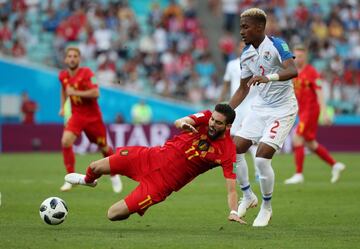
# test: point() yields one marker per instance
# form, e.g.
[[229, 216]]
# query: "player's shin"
[[242, 175], [299, 154], [267, 179], [69, 159]]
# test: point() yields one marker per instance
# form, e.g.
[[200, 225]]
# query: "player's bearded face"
[[217, 125], [72, 60]]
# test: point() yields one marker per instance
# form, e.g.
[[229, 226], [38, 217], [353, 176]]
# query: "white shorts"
[[241, 112], [267, 128]]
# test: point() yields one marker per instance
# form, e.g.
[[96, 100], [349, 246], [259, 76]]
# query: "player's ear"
[[228, 126]]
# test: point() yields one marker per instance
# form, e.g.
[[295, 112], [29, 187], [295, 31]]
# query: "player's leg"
[[118, 211], [67, 140], [96, 132], [149, 192], [249, 199], [93, 172], [323, 153], [252, 150], [275, 132], [115, 179], [299, 156], [251, 130], [263, 159]]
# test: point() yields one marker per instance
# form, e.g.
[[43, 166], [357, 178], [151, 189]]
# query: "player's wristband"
[[273, 77], [234, 212]]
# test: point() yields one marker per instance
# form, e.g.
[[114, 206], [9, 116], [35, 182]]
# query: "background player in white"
[[231, 83], [268, 66]]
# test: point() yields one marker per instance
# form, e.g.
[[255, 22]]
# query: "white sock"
[[242, 175], [267, 179], [252, 151]]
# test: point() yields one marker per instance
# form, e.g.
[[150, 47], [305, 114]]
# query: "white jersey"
[[233, 75], [275, 97]]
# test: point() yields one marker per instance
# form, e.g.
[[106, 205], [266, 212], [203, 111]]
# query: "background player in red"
[[204, 144], [28, 108], [311, 103], [79, 84]]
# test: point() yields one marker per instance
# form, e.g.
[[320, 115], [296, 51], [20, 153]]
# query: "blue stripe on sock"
[[267, 198], [245, 188]]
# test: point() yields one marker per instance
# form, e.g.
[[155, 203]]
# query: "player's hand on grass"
[[256, 80], [188, 127], [236, 218]]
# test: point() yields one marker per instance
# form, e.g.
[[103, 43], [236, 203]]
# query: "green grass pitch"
[[316, 214]]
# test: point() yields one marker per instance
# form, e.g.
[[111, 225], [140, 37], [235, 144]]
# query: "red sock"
[[90, 175], [299, 154], [324, 154], [69, 159], [108, 153]]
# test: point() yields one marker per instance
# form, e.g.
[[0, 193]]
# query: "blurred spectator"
[[230, 10], [28, 109], [158, 49], [141, 113], [227, 46]]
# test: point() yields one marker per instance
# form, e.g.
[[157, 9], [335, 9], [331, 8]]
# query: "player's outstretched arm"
[[91, 93], [240, 93], [232, 201], [185, 123]]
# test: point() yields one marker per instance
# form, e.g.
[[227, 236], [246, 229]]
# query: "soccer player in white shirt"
[[267, 66], [231, 79]]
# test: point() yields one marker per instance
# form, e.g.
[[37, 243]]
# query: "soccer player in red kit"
[[204, 144], [79, 84], [311, 103]]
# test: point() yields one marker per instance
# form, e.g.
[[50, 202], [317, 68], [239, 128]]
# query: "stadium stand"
[[159, 47]]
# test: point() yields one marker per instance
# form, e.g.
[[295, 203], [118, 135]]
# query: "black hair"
[[227, 111]]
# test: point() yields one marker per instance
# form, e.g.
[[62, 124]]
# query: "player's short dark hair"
[[227, 111], [256, 14]]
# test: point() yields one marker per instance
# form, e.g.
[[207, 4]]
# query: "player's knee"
[[66, 143], [95, 167], [115, 214]]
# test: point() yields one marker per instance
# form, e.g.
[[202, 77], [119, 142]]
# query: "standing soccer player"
[[205, 143], [311, 103], [267, 66], [232, 78], [79, 83]]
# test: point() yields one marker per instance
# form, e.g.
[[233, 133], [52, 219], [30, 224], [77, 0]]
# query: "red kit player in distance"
[[311, 103], [79, 84]]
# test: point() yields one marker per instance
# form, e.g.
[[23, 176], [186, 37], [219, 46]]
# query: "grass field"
[[316, 214]]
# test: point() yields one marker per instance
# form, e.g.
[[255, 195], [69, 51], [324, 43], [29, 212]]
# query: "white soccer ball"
[[53, 211]]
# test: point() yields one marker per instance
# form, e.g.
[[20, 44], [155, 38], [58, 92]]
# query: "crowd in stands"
[[165, 51], [330, 30]]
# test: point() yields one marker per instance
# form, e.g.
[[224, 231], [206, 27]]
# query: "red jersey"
[[191, 154], [83, 79], [305, 85], [28, 108]]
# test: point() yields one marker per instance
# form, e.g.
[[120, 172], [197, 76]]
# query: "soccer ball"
[[53, 211]]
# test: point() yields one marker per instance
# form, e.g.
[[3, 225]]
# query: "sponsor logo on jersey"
[[203, 145], [124, 152], [285, 46]]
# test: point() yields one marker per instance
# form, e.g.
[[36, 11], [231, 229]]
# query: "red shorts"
[[93, 127], [144, 165], [307, 126]]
